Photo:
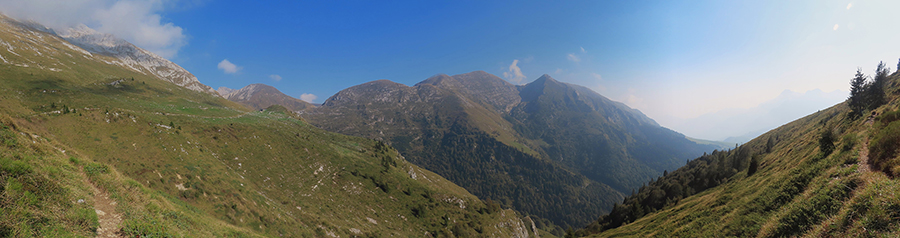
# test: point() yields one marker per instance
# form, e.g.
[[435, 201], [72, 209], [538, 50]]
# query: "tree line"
[[868, 94]]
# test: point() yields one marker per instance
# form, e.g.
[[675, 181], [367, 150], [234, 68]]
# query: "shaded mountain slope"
[[503, 141], [439, 130], [602, 139]]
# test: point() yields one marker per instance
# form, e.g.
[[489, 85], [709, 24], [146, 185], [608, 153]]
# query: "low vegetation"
[[808, 178], [171, 162]]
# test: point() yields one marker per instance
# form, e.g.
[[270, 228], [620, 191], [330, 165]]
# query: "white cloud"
[[308, 97], [597, 76], [558, 71], [275, 77], [514, 74], [137, 21], [583, 51], [228, 67], [574, 58], [849, 5], [835, 27]]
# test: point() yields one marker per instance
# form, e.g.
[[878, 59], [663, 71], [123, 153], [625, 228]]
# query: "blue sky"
[[673, 60]]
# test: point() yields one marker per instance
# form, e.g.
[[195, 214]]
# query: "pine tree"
[[857, 98], [876, 90]]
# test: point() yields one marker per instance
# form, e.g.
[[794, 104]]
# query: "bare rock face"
[[130, 56], [225, 91], [260, 96]]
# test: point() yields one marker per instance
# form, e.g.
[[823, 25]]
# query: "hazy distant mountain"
[[602, 139], [260, 96], [224, 91], [745, 124], [551, 149]]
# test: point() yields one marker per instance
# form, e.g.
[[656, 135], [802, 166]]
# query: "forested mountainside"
[[551, 149], [828, 174], [94, 147]]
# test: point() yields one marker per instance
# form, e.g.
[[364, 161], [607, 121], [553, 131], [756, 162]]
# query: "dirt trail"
[[863, 161], [106, 214]]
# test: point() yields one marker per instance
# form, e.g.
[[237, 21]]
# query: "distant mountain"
[[744, 124], [551, 149], [261, 96], [224, 91], [600, 138], [94, 148]]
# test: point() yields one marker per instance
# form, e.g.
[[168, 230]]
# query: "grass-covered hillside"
[[828, 174], [91, 148]]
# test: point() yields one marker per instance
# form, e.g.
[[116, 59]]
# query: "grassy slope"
[[798, 190], [183, 163]]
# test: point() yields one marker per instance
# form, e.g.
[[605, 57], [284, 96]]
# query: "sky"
[[679, 62]]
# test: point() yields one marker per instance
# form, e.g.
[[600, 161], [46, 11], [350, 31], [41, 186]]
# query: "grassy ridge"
[[798, 189]]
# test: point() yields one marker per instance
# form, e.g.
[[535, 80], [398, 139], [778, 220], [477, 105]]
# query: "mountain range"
[[101, 138], [551, 149], [114, 141]]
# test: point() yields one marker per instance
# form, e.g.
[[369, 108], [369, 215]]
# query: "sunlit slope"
[[799, 189], [184, 163]]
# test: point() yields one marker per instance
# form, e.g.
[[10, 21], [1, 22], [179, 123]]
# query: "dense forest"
[[533, 186]]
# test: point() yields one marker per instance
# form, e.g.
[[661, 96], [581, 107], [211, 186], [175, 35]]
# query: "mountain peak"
[[260, 96], [480, 86], [545, 79], [225, 91], [382, 83], [441, 80]]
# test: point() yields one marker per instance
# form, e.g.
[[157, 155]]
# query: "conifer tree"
[[876, 90], [857, 98]]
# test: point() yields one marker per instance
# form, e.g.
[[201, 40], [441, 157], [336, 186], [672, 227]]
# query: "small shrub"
[[7, 136], [146, 227], [848, 141], [889, 117], [93, 169], [754, 165], [85, 218], [14, 168], [826, 142], [883, 147]]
